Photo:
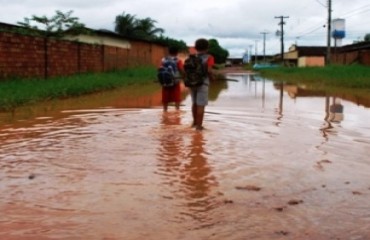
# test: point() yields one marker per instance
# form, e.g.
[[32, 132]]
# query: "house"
[[305, 56]]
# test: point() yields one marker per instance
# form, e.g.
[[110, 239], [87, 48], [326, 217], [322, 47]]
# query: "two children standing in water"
[[199, 92]]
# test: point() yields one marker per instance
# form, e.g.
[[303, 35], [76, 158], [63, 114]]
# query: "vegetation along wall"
[[24, 56]]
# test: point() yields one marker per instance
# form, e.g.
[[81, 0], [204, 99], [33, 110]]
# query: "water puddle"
[[275, 162]]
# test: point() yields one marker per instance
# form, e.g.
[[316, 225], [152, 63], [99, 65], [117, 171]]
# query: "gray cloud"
[[236, 24]]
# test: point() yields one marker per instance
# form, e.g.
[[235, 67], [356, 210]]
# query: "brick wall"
[[21, 56], [365, 57], [351, 57], [24, 56]]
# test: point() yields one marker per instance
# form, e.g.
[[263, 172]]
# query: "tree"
[[55, 26], [367, 37], [146, 28], [129, 26], [170, 42], [220, 54], [125, 24]]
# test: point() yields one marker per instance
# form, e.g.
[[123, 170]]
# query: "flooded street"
[[274, 162]]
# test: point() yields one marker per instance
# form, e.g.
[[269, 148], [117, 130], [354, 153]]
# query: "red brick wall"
[[91, 58], [62, 58], [157, 54], [21, 56], [24, 56], [361, 57], [365, 57]]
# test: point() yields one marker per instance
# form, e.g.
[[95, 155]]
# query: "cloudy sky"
[[238, 25]]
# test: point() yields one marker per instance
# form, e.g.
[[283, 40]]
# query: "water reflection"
[[333, 114], [333, 107], [281, 103], [216, 89], [198, 180], [108, 170], [183, 165], [336, 111]]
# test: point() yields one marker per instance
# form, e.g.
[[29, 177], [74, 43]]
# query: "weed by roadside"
[[14, 93]]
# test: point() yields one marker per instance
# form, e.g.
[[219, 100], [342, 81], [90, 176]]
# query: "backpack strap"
[[204, 57]]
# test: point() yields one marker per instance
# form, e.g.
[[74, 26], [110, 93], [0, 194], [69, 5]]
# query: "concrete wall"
[[311, 62]]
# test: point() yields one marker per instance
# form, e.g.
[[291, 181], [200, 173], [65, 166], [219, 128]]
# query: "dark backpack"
[[167, 73], [195, 70]]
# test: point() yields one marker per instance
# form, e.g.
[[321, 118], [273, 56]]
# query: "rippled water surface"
[[275, 162]]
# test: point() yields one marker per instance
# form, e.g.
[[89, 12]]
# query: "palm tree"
[[127, 25], [146, 29]]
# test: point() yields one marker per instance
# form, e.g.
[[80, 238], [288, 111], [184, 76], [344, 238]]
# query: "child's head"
[[173, 51], [201, 44]]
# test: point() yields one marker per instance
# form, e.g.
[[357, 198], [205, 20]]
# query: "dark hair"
[[201, 44], [173, 50]]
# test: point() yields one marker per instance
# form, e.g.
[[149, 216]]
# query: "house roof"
[[355, 47], [310, 51], [321, 51]]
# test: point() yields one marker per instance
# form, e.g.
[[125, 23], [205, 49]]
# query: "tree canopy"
[[367, 37], [54, 26], [129, 26], [220, 54], [170, 42]]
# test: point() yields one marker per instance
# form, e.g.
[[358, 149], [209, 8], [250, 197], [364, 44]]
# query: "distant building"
[[235, 60], [308, 56], [305, 56]]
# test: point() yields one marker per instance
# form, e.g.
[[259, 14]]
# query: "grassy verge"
[[355, 76], [14, 93]]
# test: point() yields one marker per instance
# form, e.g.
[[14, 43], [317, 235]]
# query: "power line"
[[312, 31], [354, 12], [361, 9], [321, 4]]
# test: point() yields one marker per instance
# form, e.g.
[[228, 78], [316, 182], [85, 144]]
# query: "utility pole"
[[250, 53], [264, 46], [281, 23], [255, 53], [329, 33]]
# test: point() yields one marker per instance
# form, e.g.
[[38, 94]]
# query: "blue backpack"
[[167, 74]]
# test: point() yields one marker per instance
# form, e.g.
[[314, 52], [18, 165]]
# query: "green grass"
[[14, 93], [354, 76]]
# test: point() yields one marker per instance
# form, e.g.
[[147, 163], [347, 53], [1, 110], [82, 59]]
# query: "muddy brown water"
[[275, 162]]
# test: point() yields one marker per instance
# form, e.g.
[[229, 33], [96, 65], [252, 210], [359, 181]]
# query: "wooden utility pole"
[[329, 34], [281, 23], [255, 52], [264, 46]]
